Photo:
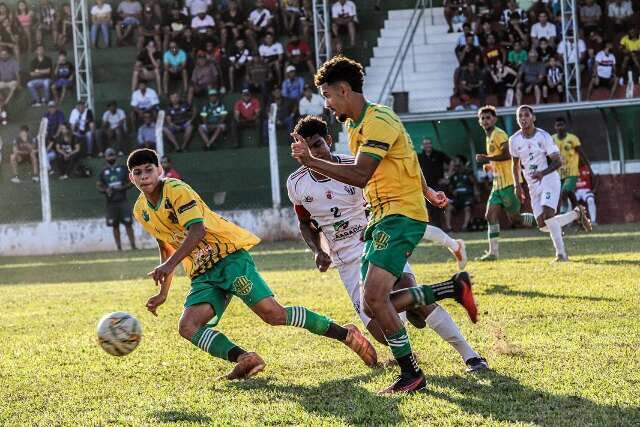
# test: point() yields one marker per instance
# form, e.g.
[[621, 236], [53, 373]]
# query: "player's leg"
[[116, 235], [590, 199], [492, 215], [456, 247], [127, 221]]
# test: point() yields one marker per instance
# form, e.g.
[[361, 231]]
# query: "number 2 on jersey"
[[336, 212]]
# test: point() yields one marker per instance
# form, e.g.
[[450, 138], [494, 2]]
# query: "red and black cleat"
[[464, 294]]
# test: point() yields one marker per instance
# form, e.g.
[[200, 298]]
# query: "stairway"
[[431, 84]]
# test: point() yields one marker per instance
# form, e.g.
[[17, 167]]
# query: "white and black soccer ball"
[[119, 333]]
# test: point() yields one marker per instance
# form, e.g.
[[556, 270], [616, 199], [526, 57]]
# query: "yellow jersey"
[[632, 45], [396, 185], [570, 157], [503, 169], [180, 207]]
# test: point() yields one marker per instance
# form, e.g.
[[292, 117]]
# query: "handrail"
[[398, 60]]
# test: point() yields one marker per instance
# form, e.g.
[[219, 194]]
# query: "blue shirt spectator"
[[147, 132], [55, 118], [293, 86]]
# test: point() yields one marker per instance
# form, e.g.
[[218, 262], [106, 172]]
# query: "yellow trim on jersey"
[[502, 170], [568, 151]]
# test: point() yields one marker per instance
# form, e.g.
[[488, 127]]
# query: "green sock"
[[399, 343], [213, 342], [527, 218], [307, 319], [422, 295]]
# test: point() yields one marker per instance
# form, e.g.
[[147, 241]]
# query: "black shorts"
[[118, 213], [462, 201], [607, 83]]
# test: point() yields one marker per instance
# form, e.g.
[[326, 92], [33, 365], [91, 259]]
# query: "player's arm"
[[501, 156], [436, 198], [311, 236], [195, 234], [583, 158], [517, 173]]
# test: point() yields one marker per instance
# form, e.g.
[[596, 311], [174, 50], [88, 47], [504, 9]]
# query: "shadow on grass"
[[181, 416], [344, 398], [502, 398], [616, 262], [506, 291]]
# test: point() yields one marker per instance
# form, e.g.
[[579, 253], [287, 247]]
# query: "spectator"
[[214, 55], [63, 78], [150, 28], [83, 126], [505, 80], [40, 77], [590, 15], [214, 115], [511, 11], [258, 24], [232, 22], [142, 100], [24, 149], [9, 75], [147, 132], [293, 14], [65, 26], [344, 15], [574, 54], [179, 119], [630, 45], [238, 60], [462, 189], [9, 38], [433, 164], [554, 81], [492, 52], [311, 104], [469, 52], [604, 72], [114, 182], [532, 76], [197, 6], [285, 113], [462, 38], [517, 56], [175, 66], [246, 114], [543, 29], [453, 8], [273, 55], [177, 24], [299, 54], [55, 118], [293, 86], [130, 14], [545, 51], [100, 21], [114, 127], [517, 30], [24, 17], [169, 170], [67, 151], [205, 76], [620, 13], [147, 66], [203, 26], [46, 21], [483, 34], [472, 83], [258, 76]]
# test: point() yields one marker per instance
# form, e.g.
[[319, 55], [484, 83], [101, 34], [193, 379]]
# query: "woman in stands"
[[65, 22], [505, 80], [25, 18]]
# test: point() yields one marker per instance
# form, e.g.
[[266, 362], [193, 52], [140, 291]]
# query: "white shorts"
[[350, 276], [546, 192], [584, 194]]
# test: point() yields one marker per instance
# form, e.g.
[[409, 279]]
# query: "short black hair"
[[341, 69], [142, 156], [526, 107], [488, 109], [561, 120], [311, 125], [24, 128]]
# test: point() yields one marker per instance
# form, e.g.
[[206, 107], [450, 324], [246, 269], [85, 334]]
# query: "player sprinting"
[[386, 166], [585, 191], [502, 198], [530, 147], [214, 253], [337, 211], [572, 155]]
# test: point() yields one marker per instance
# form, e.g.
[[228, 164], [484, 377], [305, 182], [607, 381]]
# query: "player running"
[[214, 253], [502, 197], [337, 211], [531, 146], [386, 166]]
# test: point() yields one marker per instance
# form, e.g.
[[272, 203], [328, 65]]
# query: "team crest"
[[340, 225], [145, 215], [308, 199], [329, 194], [350, 190], [380, 240], [242, 285]]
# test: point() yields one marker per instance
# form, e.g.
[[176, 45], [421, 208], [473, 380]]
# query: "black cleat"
[[406, 384], [415, 318], [477, 364]]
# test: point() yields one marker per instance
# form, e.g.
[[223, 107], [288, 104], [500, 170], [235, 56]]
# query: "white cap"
[[290, 68]]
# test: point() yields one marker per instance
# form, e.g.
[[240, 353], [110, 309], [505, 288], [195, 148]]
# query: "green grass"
[[562, 340]]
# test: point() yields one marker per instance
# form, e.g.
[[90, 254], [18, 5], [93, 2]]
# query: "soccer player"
[[572, 155], [214, 253], [386, 166], [336, 211], [530, 147], [585, 191], [502, 198]]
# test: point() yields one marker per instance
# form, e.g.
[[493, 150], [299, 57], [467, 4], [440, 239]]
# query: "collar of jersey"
[[155, 208], [364, 111]]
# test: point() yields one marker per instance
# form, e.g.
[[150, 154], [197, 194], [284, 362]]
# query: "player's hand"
[[323, 261], [300, 149], [437, 198], [519, 193], [161, 273], [481, 158], [154, 302], [537, 176]]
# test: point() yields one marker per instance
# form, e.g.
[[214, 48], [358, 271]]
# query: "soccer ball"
[[119, 333]]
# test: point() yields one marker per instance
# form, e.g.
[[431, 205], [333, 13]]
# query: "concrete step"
[[418, 92], [395, 28], [431, 78], [404, 15], [420, 40], [420, 50], [420, 60]]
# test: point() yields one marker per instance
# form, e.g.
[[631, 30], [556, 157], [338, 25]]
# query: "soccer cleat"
[[583, 218], [249, 364], [561, 258], [416, 319], [476, 364], [464, 295], [360, 345], [487, 256], [406, 384], [460, 254]]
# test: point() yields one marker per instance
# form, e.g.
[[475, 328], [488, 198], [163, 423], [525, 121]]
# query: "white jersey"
[[532, 152], [338, 210]]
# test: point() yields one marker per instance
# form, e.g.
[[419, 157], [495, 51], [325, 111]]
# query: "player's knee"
[[374, 298], [186, 329], [274, 315]]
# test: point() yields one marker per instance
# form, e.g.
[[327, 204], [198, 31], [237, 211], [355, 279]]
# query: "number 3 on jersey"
[[336, 212]]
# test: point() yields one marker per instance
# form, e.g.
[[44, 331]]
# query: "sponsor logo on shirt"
[[308, 199], [186, 207], [350, 190], [343, 232]]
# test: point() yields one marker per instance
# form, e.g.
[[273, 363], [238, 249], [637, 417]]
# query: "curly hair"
[[311, 125], [487, 109], [340, 68]]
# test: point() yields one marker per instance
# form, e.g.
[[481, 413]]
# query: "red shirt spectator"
[[169, 170], [297, 47], [247, 107]]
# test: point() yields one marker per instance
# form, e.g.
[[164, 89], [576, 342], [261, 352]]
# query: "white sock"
[[438, 236], [566, 218], [440, 321], [555, 229], [591, 205], [493, 231]]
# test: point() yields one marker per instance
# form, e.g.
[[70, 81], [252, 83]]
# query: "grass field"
[[562, 340]]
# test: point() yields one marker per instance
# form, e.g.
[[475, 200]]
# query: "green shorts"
[[569, 184], [235, 274], [389, 242], [506, 198]]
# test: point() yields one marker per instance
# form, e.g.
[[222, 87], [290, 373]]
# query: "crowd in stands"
[[191, 54], [515, 51]]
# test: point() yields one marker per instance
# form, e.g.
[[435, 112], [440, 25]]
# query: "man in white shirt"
[[605, 71], [100, 21], [114, 126], [543, 29], [332, 217], [273, 54], [83, 126], [311, 104], [259, 23], [195, 7], [569, 49], [620, 13], [530, 147], [143, 99], [344, 15]]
